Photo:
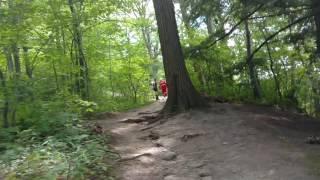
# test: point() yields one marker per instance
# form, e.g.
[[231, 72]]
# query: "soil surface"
[[223, 142]]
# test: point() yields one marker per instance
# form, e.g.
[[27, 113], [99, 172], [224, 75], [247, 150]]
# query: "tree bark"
[[27, 62], [6, 101], [316, 80], [316, 13], [274, 74], [182, 94], [209, 23], [16, 58], [252, 71], [9, 59], [82, 82]]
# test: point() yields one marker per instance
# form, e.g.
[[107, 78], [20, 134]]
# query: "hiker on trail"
[[164, 88], [155, 88]]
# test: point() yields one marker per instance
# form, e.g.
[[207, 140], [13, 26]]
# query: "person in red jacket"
[[164, 87]]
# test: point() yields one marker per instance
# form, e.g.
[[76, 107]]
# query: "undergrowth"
[[53, 142]]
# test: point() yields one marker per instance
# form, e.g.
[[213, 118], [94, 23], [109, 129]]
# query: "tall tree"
[[316, 79], [182, 94], [82, 79], [316, 13], [250, 63], [252, 70], [146, 29], [6, 101]]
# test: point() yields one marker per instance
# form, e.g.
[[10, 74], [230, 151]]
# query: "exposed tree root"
[[140, 119], [187, 137], [146, 113], [161, 118], [151, 136], [134, 157]]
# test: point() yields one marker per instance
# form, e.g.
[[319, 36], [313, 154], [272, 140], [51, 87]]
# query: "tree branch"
[[278, 32], [231, 30]]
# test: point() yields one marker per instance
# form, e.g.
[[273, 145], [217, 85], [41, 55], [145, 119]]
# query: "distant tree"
[[82, 79], [254, 80], [316, 13]]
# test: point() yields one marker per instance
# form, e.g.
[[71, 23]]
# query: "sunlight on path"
[[225, 143]]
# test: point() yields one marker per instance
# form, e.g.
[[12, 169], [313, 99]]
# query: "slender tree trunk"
[[6, 101], [187, 25], [10, 66], [9, 59], [27, 62], [16, 57], [252, 71], [200, 76], [55, 75], [152, 50], [83, 79], [209, 23], [184, 14], [17, 66], [316, 12], [182, 94], [316, 79], [274, 74]]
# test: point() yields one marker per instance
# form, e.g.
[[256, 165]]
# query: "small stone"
[[170, 177], [234, 171], [207, 178], [271, 172], [168, 156], [174, 177], [158, 145], [225, 143], [196, 164], [204, 173]]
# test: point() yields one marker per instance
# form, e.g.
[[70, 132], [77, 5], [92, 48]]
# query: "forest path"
[[224, 142]]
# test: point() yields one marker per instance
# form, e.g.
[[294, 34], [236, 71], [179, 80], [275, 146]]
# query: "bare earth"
[[224, 142]]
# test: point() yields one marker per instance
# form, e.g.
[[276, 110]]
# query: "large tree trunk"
[[182, 94], [252, 71]]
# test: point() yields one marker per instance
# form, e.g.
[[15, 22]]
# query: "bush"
[[54, 144]]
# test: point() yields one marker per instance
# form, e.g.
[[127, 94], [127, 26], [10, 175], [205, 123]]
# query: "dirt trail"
[[224, 142]]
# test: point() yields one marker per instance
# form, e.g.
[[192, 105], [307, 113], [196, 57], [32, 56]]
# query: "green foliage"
[[47, 137], [48, 51], [286, 66], [54, 143], [75, 154]]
